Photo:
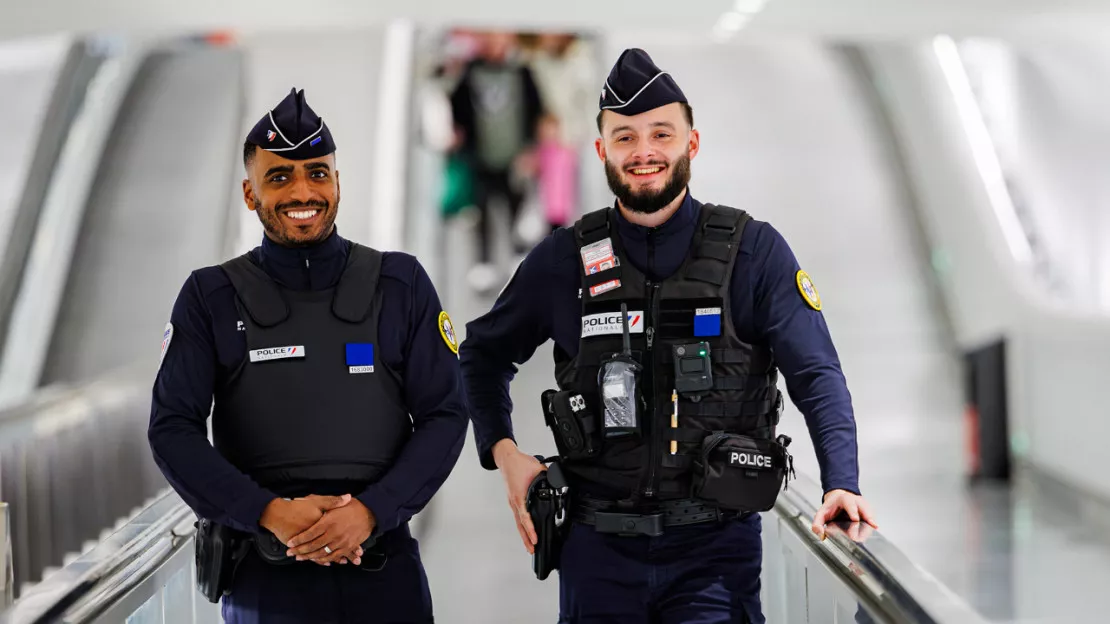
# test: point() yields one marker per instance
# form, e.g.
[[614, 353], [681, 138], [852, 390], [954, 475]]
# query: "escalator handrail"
[[70, 89], [881, 575], [47, 268], [97, 578], [874, 567]]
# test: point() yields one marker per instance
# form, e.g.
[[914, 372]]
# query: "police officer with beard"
[[331, 373], [671, 320]]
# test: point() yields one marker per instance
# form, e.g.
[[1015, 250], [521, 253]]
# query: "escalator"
[[158, 209], [137, 194], [767, 137]]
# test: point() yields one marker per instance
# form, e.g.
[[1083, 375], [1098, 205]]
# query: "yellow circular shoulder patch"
[[808, 290], [447, 330]]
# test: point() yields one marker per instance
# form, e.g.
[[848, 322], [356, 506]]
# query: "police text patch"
[[609, 323], [748, 459], [277, 353]]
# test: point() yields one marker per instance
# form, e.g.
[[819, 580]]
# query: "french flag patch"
[[360, 357], [707, 322]]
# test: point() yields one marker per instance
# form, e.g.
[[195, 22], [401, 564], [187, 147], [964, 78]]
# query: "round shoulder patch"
[[808, 290], [447, 330]]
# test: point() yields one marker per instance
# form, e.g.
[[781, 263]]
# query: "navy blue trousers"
[[697, 574], [304, 592]]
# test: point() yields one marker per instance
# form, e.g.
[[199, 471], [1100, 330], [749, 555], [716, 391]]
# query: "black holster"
[[219, 550], [547, 505]]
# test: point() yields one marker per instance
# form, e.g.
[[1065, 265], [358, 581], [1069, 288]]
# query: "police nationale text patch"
[[277, 353], [609, 323], [808, 290]]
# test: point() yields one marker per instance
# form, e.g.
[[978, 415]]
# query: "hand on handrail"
[[838, 501], [858, 532]]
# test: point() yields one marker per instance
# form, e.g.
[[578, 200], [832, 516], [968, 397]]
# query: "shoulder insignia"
[[808, 290], [447, 330], [167, 335]]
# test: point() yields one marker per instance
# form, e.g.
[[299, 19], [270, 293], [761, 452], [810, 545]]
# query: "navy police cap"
[[636, 85], [293, 130]]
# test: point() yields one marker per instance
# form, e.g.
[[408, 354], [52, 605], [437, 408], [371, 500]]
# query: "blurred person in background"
[[556, 172], [566, 76], [495, 106], [331, 374], [663, 523]]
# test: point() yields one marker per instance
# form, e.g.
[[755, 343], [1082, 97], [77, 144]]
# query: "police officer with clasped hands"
[[332, 378], [672, 320]]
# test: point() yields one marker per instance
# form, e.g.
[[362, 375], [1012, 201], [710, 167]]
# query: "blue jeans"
[[697, 574], [339, 594]]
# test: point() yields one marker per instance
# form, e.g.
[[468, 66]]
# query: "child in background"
[[557, 172]]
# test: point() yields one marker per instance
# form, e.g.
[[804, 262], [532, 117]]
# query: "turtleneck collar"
[[680, 222], [313, 267]]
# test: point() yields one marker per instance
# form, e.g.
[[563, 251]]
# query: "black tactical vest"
[[309, 407], [744, 398]]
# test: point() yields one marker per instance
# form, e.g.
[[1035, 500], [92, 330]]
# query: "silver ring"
[[327, 550]]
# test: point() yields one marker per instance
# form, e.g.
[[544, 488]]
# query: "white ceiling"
[[837, 18]]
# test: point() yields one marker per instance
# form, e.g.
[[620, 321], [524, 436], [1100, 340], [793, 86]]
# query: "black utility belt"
[[730, 473], [608, 516]]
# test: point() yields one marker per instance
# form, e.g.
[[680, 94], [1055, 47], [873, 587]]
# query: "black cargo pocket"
[[741, 473]]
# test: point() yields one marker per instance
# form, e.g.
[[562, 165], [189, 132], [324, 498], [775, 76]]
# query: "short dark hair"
[[248, 153], [687, 110]]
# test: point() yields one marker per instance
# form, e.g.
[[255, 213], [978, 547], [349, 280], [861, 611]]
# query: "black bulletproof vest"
[[309, 407], [744, 398]]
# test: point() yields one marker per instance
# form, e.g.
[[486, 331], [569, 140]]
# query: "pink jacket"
[[557, 189]]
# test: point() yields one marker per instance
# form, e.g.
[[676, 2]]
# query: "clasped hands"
[[321, 529]]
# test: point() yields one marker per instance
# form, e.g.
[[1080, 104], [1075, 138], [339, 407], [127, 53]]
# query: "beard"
[[650, 201], [296, 236]]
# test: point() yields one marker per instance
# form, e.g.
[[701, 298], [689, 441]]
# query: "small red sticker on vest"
[[604, 287]]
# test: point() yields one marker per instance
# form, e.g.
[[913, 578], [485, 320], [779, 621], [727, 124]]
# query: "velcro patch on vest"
[[277, 353], [609, 323], [360, 357], [750, 460], [707, 322], [598, 257]]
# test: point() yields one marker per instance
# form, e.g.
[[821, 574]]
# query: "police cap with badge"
[[293, 130], [636, 85]]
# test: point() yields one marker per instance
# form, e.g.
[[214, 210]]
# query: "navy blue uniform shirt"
[[206, 347], [542, 302]]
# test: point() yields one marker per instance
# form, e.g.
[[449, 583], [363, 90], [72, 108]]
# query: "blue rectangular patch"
[[707, 322], [360, 354], [315, 141]]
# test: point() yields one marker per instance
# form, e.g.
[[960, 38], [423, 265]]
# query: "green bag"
[[458, 186]]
